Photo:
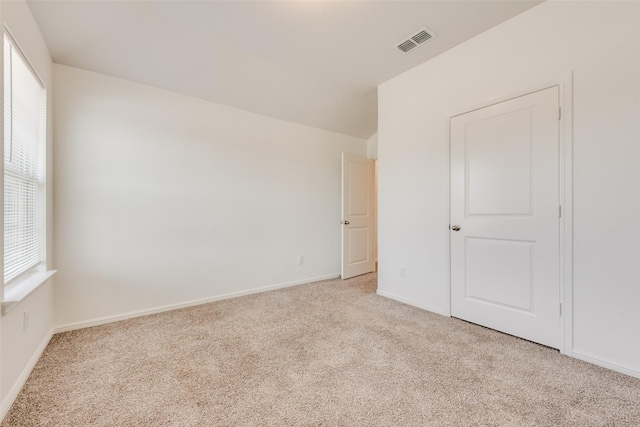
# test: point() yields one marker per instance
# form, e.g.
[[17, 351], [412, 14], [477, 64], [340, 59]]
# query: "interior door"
[[505, 258], [357, 215]]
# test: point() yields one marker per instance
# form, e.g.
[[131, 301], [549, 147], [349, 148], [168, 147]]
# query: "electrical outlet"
[[25, 321], [403, 271], [300, 260]]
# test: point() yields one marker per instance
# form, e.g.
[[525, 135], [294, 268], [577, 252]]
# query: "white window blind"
[[24, 165]]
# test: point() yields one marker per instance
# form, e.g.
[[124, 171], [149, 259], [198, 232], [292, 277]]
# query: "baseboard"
[[587, 357], [139, 313], [22, 379], [410, 302]]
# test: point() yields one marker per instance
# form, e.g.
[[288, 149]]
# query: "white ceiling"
[[311, 62]]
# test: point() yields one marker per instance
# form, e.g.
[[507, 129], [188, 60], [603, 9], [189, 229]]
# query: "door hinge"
[[560, 211], [559, 113]]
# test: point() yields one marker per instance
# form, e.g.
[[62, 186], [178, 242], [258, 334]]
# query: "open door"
[[357, 215]]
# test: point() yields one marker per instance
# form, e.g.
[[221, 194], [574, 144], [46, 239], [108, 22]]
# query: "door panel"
[[357, 216], [499, 272], [358, 188], [499, 173], [358, 239], [505, 270]]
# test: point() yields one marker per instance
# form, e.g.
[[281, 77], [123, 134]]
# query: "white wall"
[[600, 43], [372, 147], [163, 199], [20, 350]]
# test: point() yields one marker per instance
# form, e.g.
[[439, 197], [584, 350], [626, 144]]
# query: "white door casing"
[[505, 258], [357, 216]]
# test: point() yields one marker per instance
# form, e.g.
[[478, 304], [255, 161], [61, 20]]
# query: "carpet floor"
[[330, 353]]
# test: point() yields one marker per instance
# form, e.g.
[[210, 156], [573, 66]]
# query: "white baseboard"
[[22, 379], [587, 357], [146, 312], [410, 302]]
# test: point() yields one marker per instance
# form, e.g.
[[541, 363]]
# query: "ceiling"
[[316, 63]]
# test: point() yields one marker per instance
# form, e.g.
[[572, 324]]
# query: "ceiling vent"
[[415, 40]]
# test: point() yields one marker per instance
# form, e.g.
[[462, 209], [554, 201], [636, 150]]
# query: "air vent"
[[415, 40], [421, 37], [407, 45]]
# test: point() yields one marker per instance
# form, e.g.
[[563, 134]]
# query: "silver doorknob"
[[455, 227], [345, 222]]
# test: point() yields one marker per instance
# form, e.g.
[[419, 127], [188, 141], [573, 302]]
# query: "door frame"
[[565, 163]]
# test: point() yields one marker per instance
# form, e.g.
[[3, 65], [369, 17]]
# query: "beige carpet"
[[331, 353]]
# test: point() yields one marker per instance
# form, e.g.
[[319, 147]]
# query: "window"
[[24, 167]]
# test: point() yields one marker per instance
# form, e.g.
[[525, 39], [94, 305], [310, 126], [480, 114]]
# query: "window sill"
[[21, 290]]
